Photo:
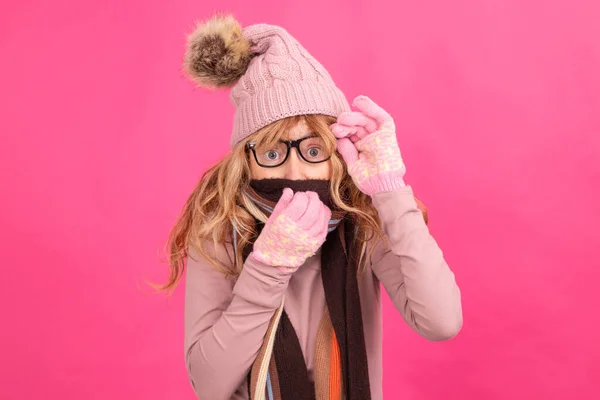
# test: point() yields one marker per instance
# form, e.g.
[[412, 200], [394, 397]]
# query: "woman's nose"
[[294, 166]]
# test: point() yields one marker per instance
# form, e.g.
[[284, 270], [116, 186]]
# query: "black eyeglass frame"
[[290, 144]]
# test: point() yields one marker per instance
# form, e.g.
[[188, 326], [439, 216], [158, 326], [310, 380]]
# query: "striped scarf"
[[341, 371]]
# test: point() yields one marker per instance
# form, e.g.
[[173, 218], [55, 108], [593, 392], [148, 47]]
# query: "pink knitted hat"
[[271, 75]]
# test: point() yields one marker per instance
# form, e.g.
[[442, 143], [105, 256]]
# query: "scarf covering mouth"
[[341, 371]]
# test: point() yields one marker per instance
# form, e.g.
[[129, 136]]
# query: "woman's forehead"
[[297, 131]]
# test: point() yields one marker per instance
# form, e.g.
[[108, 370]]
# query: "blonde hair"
[[218, 204]]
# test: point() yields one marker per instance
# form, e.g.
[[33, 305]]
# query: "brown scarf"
[[287, 377]]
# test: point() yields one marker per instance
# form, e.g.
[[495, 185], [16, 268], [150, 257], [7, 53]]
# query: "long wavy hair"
[[218, 204]]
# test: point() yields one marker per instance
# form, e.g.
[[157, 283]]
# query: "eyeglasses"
[[312, 149]]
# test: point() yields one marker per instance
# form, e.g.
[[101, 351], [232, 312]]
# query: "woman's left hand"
[[367, 142]]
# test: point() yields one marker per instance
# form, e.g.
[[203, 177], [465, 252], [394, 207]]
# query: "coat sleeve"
[[226, 320], [412, 268]]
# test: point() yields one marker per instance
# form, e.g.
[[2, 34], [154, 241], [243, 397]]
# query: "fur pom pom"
[[217, 53]]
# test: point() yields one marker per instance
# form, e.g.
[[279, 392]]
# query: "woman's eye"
[[272, 155], [314, 152]]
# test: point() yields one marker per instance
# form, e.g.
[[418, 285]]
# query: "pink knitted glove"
[[294, 231], [367, 141]]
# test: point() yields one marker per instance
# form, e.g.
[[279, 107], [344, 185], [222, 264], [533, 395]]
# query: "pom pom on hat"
[[217, 53]]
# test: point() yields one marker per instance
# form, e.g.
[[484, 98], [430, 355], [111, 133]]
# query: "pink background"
[[497, 104]]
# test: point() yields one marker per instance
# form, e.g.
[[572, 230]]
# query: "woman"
[[286, 240]]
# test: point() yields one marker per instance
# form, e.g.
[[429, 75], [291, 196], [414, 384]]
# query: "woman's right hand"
[[294, 231]]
